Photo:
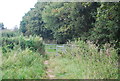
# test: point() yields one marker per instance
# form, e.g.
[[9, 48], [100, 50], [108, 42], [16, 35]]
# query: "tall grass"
[[85, 61], [22, 64], [22, 57]]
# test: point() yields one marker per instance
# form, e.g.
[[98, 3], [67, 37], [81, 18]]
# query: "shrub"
[[33, 43]]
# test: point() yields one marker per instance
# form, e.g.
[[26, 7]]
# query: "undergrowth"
[[86, 61], [22, 57], [22, 64]]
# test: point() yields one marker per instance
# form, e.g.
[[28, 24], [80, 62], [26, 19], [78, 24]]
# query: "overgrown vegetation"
[[84, 61], [94, 57], [63, 21], [33, 42], [22, 57], [22, 64]]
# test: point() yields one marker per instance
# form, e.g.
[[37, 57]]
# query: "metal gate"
[[58, 48], [55, 48]]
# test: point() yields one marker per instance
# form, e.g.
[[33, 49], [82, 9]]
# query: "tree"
[[107, 28], [68, 20], [32, 23], [1, 26], [107, 25]]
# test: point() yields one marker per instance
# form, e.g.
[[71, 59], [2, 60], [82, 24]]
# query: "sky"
[[12, 11]]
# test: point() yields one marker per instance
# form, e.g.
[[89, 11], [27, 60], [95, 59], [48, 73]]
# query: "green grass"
[[82, 62], [22, 57], [85, 62], [22, 64], [50, 48]]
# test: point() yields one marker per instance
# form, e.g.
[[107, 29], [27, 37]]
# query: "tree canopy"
[[64, 21]]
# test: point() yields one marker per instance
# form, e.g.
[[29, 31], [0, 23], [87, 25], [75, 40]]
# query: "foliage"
[[32, 23], [22, 56], [22, 64], [32, 42], [64, 21], [107, 25], [87, 62], [68, 20]]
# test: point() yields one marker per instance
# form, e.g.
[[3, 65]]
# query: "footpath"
[[49, 72]]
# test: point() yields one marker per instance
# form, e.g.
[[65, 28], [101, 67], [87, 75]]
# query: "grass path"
[[69, 66], [49, 72], [51, 54]]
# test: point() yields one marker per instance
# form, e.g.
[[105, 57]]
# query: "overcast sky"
[[11, 11]]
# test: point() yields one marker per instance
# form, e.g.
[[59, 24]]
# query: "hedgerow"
[[32, 42]]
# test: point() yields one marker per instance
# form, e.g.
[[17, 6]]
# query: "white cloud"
[[11, 11]]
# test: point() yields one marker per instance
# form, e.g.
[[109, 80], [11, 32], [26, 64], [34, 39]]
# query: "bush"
[[21, 57], [33, 43]]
